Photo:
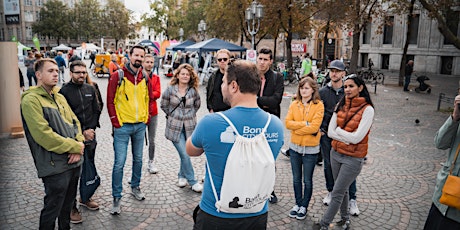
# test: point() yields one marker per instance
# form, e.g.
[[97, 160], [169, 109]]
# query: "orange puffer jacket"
[[346, 118]]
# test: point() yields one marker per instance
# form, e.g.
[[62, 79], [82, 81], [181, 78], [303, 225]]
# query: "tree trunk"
[[402, 65], [275, 41], [326, 32], [355, 49]]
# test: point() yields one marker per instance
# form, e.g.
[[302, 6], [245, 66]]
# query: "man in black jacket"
[[214, 99], [83, 100], [271, 91]]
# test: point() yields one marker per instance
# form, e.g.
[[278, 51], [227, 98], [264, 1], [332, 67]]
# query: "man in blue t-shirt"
[[240, 86]]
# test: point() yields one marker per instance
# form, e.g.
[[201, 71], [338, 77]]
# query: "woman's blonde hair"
[[193, 76], [312, 83]]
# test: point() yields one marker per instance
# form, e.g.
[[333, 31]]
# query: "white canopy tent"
[[61, 47], [90, 46]]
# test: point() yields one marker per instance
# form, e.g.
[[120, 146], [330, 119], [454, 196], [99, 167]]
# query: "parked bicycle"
[[371, 76], [292, 76]]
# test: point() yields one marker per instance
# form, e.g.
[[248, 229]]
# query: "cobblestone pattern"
[[394, 187]]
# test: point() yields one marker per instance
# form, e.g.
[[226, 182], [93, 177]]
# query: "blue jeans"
[[326, 151], [406, 82], [121, 137], [306, 162], [186, 168]]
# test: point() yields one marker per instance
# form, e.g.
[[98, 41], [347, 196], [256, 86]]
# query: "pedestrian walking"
[[442, 216], [304, 119], [56, 142], [349, 129], [113, 65], [408, 74], [29, 63], [240, 87], [180, 102], [61, 65], [128, 107]]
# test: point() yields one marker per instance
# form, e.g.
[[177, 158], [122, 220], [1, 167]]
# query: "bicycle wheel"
[[380, 78], [365, 76]]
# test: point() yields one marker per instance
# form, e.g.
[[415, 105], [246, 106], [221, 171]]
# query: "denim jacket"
[[448, 136]]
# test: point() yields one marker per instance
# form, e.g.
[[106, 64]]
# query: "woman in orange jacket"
[[304, 120]]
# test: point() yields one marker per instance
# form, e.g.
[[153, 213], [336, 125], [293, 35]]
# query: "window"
[[29, 33], [364, 60], [29, 16], [367, 33], [37, 15], [413, 27], [2, 35], [28, 2], [446, 65], [388, 30], [453, 18], [10, 33], [39, 2], [385, 61]]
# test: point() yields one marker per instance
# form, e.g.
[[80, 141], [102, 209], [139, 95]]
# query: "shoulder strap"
[[121, 75], [236, 131], [212, 183], [349, 119], [453, 163]]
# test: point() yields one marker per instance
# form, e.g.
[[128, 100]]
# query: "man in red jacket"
[[154, 94]]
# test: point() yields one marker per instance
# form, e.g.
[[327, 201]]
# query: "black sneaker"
[[273, 199], [345, 224]]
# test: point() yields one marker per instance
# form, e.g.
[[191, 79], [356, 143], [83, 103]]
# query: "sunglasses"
[[222, 59], [351, 76], [78, 72]]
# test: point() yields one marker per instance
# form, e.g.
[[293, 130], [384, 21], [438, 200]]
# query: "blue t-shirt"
[[210, 134]]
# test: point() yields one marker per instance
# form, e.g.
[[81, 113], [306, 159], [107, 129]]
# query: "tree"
[[444, 12], [157, 19], [86, 17], [53, 21], [117, 21]]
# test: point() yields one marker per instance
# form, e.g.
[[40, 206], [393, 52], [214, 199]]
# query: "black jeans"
[[436, 221], [204, 221], [60, 192]]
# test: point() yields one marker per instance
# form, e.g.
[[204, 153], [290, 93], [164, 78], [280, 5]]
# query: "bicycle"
[[292, 75], [371, 76]]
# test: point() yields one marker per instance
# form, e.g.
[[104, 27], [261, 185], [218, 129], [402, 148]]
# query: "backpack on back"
[[249, 176]]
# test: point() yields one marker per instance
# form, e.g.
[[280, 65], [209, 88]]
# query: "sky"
[[138, 6]]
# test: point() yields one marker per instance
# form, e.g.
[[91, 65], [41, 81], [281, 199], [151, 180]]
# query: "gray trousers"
[[152, 129], [345, 169]]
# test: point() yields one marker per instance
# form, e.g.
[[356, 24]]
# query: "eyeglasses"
[[222, 59], [78, 72]]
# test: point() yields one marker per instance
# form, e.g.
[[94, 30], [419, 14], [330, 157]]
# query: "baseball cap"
[[337, 64]]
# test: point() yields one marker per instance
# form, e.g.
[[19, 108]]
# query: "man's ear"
[[234, 86]]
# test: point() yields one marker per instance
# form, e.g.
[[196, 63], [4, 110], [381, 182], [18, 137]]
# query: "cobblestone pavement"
[[394, 187]]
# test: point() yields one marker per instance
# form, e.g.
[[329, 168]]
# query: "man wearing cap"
[[330, 95]]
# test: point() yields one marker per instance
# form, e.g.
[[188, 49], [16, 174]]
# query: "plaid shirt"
[[184, 116]]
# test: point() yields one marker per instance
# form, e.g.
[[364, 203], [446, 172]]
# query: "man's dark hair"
[[266, 51], [136, 47], [246, 75], [76, 63]]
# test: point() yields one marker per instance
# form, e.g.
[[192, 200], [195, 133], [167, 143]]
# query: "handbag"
[[451, 190]]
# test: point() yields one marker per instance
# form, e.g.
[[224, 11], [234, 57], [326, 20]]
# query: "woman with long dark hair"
[[349, 128]]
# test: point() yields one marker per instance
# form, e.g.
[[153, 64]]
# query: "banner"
[[36, 42], [298, 48]]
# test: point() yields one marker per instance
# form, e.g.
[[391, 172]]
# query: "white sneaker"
[[197, 187], [182, 182], [151, 167], [327, 199], [353, 207]]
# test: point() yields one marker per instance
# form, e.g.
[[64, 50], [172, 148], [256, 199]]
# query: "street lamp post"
[[202, 30], [181, 33], [253, 15]]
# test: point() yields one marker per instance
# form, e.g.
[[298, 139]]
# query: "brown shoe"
[[75, 217], [90, 204]]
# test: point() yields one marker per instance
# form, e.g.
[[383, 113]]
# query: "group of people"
[[333, 121]]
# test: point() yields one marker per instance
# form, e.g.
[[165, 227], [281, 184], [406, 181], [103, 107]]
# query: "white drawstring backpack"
[[249, 176]]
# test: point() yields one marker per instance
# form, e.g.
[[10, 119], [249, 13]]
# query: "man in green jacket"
[[56, 142]]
